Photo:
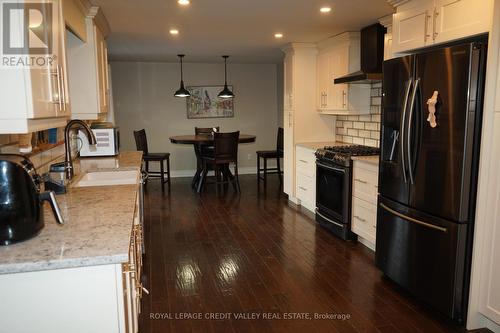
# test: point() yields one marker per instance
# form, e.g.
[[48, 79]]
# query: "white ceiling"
[[243, 29]]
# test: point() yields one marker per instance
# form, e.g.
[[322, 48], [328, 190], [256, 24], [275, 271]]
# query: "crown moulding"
[[386, 21], [396, 3], [100, 20]]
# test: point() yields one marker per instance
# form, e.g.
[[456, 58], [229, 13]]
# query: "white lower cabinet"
[[82, 299], [102, 298], [305, 166], [364, 202]]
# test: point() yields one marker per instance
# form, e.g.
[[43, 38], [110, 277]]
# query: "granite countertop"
[[317, 145], [374, 159], [97, 229]]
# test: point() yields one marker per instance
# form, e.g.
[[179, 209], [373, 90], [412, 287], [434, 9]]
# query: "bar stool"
[[141, 143], [271, 154]]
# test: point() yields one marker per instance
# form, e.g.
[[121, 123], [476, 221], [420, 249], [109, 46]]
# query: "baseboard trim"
[[366, 243], [190, 173]]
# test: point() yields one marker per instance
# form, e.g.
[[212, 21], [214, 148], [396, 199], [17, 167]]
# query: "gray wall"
[[143, 98]]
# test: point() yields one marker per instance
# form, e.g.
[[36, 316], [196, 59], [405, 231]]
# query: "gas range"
[[342, 154], [334, 187]]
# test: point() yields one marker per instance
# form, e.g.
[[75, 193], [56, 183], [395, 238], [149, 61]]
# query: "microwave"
[[107, 137]]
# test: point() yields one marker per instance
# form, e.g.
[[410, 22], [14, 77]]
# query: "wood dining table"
[[199, 140]]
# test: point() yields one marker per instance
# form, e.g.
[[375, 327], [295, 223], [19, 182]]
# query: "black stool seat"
[[269, 153], [155, 156]]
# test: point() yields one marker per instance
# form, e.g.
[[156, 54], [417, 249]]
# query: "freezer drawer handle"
[[410, 219], [329, 220]]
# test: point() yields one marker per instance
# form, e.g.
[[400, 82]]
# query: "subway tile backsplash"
[[364, 129]]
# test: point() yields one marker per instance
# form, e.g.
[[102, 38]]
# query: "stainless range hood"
[[372, 56]]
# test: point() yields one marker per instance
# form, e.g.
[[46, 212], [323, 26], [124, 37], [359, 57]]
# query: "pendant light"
[[182, 92], [225, 93]]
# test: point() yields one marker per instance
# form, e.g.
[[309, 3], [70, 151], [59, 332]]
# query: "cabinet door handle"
[[360, 181], [63, 88], [434, 21], [303, 161], [303, 188], [427, 17], [359, 218], [57, 75], [344, 102]]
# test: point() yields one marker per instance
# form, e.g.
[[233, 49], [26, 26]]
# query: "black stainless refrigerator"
[[431, 125]]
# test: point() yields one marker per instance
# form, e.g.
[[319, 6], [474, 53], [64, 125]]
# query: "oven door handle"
[[329, 167], [329, 220]]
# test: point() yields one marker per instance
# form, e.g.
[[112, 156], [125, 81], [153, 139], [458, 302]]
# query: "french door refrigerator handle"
[[411, 219], [408, 138], [403, 126]]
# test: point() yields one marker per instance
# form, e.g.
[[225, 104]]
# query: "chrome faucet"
[[68, 162]]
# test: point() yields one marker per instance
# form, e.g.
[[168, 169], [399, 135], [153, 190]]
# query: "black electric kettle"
[[21, 202]]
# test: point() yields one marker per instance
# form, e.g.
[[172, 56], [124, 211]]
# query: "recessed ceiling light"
[[183, 2], [325, 9], [278, 35], [174, 31]]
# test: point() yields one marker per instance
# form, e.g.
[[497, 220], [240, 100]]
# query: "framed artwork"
[[204, 103]]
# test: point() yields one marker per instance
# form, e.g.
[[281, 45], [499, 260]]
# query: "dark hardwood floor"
[[254, 255]]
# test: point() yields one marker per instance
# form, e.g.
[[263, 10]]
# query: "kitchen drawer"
[[306, 191], [364, 219], [305, 161], [365, 181]]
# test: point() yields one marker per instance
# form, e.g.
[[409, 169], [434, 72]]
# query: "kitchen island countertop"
[[98, 224]]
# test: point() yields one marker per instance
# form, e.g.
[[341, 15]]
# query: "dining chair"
[[202, 149], [271, 154], [141, 143], [206, 130], [225, 153], [205, 149]]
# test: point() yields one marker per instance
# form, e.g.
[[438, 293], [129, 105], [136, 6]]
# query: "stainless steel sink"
[[108, 178]]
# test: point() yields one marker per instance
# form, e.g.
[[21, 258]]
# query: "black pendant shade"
[[226, 92], [182, 92]]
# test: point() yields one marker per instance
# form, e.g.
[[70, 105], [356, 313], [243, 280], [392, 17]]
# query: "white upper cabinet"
[[386, 21], [411, 25], [338, 56], [36, 98], [288, 81], [322, 78], [419, 24], [102, 70], [454, 19], [88, 68]]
